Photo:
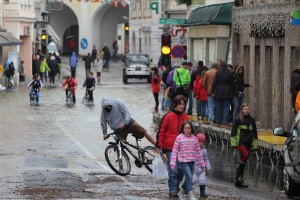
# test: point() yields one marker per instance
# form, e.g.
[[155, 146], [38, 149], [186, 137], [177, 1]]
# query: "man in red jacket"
[[169, 130]]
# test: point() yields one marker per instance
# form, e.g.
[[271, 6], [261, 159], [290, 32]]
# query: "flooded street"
[[54, 151]]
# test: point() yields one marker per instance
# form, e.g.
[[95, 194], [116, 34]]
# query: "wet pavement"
[[54, 151]]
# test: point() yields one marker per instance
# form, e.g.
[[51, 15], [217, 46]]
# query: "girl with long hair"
[[243, 137]]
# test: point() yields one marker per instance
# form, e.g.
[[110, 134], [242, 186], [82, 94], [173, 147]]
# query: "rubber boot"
[[239, 175], [191, 195], [202, 191], [181, 194]]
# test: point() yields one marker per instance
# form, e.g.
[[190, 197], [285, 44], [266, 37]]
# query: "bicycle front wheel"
[[149, 155], [120, 165]]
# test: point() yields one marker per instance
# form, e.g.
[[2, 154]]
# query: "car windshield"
[[141, 59]]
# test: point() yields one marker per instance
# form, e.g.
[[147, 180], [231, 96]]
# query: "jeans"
[[190, 97], [42, 75], [237, 101], [211, 108], [37, 94], [222, 111], [203, 109], [168, 103], [188, 170], [175, 176]]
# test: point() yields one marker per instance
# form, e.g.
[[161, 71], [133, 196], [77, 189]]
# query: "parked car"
[[137, 66], [291, 157]]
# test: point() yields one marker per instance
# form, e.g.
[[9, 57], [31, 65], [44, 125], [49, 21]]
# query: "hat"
[[201, 137]]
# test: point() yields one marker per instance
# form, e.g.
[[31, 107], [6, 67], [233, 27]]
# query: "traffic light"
[[126, 29], [44, 37], [166, 49]]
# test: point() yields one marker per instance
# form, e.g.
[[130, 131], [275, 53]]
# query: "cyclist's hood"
[[106, 102]]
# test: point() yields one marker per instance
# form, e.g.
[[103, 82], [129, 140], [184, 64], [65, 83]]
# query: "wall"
[[268, 61]]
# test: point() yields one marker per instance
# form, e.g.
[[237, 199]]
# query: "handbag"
[[182, 89]]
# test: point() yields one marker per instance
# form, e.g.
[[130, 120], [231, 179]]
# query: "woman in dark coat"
[[52, 63]]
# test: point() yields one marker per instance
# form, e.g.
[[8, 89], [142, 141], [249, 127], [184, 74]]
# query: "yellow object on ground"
[[268, 137]]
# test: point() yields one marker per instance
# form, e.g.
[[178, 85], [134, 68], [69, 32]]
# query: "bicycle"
[[86, 99], [120, 162], [69, 100]]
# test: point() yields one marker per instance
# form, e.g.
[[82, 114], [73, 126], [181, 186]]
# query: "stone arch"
[[104, 23], [68, 25]]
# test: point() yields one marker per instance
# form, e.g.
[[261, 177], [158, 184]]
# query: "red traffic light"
[[166, 39]]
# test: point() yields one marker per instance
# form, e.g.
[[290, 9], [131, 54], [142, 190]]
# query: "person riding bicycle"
[[70, 85], [35, 86], [89, 83], [117, 116]]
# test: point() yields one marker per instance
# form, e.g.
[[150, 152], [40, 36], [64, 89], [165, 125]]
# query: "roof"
[[216, 14], [7, 39]]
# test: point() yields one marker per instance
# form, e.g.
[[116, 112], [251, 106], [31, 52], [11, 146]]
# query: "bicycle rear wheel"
[[119, 165], [149, 155]]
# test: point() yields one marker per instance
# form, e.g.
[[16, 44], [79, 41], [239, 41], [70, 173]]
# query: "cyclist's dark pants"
[[91, 95]]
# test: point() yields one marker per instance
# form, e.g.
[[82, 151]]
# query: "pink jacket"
[[186, 149]]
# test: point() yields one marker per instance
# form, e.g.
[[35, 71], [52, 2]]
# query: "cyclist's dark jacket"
[[89, 83], [35, 84]]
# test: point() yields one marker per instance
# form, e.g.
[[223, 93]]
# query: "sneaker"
[[173, 194]]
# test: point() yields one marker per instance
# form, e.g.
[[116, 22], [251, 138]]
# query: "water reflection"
[[263, 175]]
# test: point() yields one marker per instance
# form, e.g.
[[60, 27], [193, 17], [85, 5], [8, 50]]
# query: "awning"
[[53, 34], [216, 14], [7, 39]]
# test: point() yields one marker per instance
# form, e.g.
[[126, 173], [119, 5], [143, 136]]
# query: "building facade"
[[267, 45]]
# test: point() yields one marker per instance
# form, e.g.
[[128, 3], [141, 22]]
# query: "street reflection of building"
[[267, 45]]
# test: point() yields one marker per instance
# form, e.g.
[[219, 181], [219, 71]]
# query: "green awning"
[[216, 14]]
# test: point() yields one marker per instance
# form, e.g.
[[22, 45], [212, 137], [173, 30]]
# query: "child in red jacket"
[[201, 97], [155, 83]]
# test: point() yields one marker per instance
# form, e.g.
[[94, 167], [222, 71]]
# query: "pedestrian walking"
[[115, 49], [190, 93], [182, 79], [199, 172], [98, 67], [243, 137], [186, 151], [94, 54], [22, 73], [201, 98], [73, 64], [155, 85], [43, 67], [239, 90], [9, 74], [222, 90], [52, 63], [166, 136], [87, 63], [207, 84], [106, 57]]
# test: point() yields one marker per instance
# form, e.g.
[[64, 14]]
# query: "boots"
[[181, 193], [239, 175], [191, 195], [202, 191], [156, 109]]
